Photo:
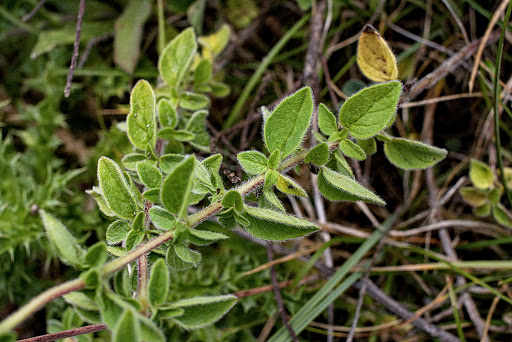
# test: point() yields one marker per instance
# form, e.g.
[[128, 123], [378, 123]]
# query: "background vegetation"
[[447, 254]]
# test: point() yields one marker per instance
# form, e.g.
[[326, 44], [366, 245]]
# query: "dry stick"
[[483, 41], [457, 20], [67, 333], [93, 42], [76, 46], [373, 291], [447, 67], [277, 293], [31, 14], [310, 74]]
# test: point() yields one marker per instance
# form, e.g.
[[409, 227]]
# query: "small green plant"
[[485, 194], [149, 194]]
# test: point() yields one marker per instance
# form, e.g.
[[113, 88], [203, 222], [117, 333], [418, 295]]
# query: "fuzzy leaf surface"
[[177, 187], [252, 162], [141, 121], [158, 286], [367, 112], [343, 188], [115, 189], [326, 120], [412, 155], [284, 129], [177, 56], [67, 247], [202, 311], [275, 226]]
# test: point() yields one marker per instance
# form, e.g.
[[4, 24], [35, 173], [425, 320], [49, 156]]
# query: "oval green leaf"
[[272, 225], [203, 311], [284, 129], [253, 162], [326, 120], [177, 187], [177, 57], [141, 121], [367, 112], [412, 155]]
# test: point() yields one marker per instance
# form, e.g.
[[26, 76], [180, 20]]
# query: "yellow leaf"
[[288, 186], [214, 43], [374, 57]]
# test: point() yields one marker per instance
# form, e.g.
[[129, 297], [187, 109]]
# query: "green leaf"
[[138, 222], [152, 195], [195, 15], [127, 329], [134, 239], [284, 129], [369, 146], [162, 218], [271, 177], [81, 300], [288, 186], [204, 237], [233, 199], [227, 220], [177, 186], [176, 255], [502, 215], [219, 89], [272, 225], [271, 197], [212, 163], [196, 124], [167, 115], [129, 161], [473, 196], [482, 211], [128, 34], [8, 337], [158, 286], [352, 150], [253, 162], [65, 244], [202, 311], [141, 120], [193, 101], [342, 165], [367, 112], [318, 155], [214, 43], [91, 278], [177, 57], [326, 120], [88, 316], [95, 193], [96, 255], [412, 155], [274, 159], [203, 71], [337, 187], [480, 174], [169, 161], [117, 231], [149, 174]]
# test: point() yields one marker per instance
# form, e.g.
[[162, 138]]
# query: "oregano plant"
[[150, 193]]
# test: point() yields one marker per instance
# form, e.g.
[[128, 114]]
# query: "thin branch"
[[67, 333], [93, 42], [34, 11], [76, 46], [277, 294]]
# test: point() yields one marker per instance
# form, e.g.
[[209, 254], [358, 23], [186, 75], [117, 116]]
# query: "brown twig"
[[34, 11], [447, 67], [67, 333], [76, 46], [277, 294]]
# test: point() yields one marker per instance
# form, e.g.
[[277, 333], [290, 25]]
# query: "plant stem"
[[55, 292], [67, 333], [38, 302]]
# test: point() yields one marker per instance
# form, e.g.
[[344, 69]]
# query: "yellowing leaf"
[[214, 43], [374, 57]]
